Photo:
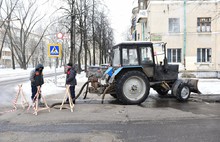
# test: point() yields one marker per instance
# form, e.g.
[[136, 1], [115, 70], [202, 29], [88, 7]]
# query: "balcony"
[[142, 16]]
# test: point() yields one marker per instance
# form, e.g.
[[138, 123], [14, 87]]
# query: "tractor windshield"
[[116, 57], [129, 56]]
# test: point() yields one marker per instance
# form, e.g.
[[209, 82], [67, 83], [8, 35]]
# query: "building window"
[[204, 24], [174, 55], [204, 55], [141, 5], [174, 25]]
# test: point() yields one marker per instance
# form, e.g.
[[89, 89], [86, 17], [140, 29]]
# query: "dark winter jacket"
[[71, 77], [36, 76]]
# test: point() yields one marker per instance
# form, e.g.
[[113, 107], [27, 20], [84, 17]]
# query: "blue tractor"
[[138, 66]]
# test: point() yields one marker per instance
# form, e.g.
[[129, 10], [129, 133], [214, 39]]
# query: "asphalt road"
[[156, 120]]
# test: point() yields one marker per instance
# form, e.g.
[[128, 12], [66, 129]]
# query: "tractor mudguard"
[[114, 74], [109, 71], [120, 69]]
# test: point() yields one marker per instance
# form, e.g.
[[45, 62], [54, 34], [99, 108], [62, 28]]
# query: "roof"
[[133, 42]]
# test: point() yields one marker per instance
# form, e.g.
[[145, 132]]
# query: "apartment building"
[[5, 62], [191, 29]]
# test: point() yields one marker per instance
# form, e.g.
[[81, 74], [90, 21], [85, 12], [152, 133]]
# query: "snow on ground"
[[51, 88], [209, 86], [6, 74]]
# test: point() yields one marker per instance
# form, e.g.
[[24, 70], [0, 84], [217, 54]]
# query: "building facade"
[[191, 29]]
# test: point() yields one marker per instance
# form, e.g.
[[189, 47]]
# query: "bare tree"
[[90, 38], [93, 29], [28, 21], [7, 8]]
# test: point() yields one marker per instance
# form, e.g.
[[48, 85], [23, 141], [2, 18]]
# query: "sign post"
[[54, 51]]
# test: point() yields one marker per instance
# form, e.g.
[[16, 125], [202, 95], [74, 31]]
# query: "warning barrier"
[[19, 96], [23, 99], [36, 102], [71, 104]]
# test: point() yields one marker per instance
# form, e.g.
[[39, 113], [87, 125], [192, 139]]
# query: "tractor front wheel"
[[183, 92], [132, 87]]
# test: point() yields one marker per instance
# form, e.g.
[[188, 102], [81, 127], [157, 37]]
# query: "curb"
[[207, 98]]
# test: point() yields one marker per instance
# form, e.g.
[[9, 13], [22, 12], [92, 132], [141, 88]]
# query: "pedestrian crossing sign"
[[54, 50]]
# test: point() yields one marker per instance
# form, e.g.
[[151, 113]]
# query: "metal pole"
[[55, 60], [184, 38], [143, 32]]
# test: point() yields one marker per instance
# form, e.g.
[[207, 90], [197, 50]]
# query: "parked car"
[[104, 67], [94, 70], [97, 70]]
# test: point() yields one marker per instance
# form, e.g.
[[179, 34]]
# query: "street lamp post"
[[184, 36]]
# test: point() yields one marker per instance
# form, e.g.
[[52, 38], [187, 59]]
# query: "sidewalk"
[[210, 89], [206, 98]]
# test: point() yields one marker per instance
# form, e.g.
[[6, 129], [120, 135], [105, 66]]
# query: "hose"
[[87, 88], [87, 83], [103, 96]]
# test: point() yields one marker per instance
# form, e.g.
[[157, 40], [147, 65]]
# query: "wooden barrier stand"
[[35, 103], [70, 99], [23, 99]]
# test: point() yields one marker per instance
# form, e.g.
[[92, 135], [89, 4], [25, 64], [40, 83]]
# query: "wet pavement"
[[211, 98]]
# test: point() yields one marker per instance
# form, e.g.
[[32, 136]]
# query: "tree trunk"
[[85, 35], [72, 43], [81, 38], [93, 30]]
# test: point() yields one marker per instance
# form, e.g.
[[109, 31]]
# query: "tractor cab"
[[145, 56], [138, 66], [132, 55]]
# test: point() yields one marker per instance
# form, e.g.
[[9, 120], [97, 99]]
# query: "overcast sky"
[[120, 17], [120, 12]]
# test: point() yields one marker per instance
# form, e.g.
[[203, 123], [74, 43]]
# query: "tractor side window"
[[116, 57], [146, 55], [129, 56]]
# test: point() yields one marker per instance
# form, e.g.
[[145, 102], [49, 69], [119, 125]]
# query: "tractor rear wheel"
[[132, 87], [114, 96]]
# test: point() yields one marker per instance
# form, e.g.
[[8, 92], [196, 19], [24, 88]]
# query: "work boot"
[[67, 101]]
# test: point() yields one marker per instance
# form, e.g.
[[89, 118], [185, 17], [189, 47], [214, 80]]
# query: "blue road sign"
[[54, 50]]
